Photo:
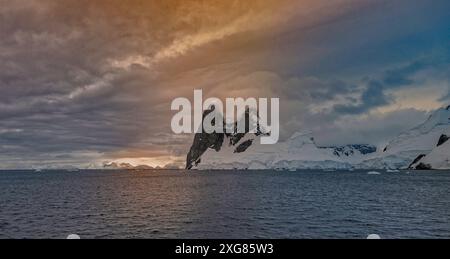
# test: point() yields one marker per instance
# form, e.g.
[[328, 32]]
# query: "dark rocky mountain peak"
[[204, 141]]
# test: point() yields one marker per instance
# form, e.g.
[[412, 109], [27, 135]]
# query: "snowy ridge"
[[424, 137], [421, 140]]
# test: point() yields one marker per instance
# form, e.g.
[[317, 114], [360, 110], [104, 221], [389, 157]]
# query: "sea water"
[[224, 204]]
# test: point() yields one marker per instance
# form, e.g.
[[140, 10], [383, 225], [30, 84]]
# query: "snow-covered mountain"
[[413, 144], [438, 158], [124, 166], [244, 151], [300, 151], [425, 136], [352, 149]]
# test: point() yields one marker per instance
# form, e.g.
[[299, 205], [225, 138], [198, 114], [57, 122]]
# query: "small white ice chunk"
[[73, 236], [373, 236]]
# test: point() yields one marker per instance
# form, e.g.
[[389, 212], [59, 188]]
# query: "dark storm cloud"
[[376, 129], [401, 76], [372, 97], [375, 91], [312, 89]]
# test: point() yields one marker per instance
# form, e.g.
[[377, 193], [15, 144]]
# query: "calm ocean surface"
[[224, 204]]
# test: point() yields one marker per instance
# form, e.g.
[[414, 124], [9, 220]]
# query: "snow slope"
[[439, 158], [425, 136], [421, 140]]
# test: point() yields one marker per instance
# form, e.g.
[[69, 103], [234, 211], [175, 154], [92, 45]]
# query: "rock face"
[[350, 150], [443, 139], [215, 141], [418, 158], [202, 142], [423, 166], [242, 147]]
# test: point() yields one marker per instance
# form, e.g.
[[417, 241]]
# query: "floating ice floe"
[[392, 170], [373, 236], [73, 236]]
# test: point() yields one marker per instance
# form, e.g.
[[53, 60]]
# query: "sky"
[[83, 82]]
